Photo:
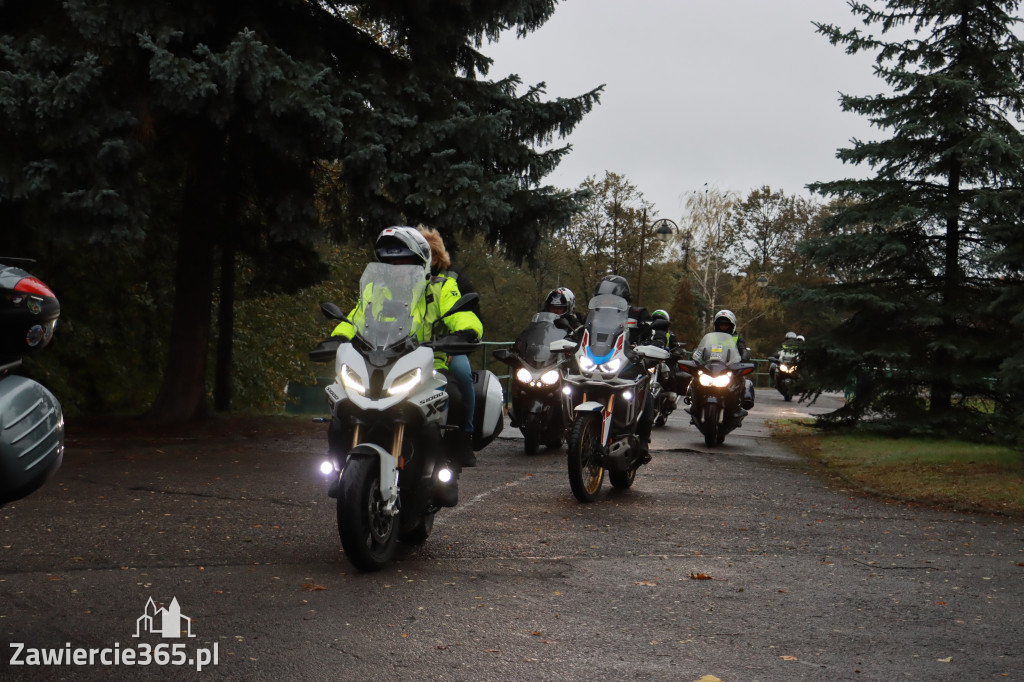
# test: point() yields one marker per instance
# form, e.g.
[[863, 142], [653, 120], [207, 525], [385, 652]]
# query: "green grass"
[[953, 474]]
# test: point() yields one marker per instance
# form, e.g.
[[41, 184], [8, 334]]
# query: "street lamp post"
[[640, 270]]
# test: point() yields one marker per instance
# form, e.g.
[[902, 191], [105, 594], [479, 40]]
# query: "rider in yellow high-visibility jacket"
[[406, 246]]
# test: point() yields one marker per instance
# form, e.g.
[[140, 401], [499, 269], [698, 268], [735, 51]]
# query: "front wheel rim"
[[381, 522]]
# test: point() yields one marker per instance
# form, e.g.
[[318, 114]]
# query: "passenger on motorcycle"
[[458, 365], [725, 321], [406, 246]]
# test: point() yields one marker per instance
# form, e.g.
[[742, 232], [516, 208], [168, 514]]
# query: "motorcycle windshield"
[[606, 320], [391, 302], [718, 346], [534, 342]]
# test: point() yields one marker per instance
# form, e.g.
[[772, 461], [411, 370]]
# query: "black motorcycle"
[[716, 387], [539, 407], [32, 437], [783, 373]]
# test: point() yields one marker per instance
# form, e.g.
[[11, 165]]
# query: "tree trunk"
[[942, 387], [225, 328], [182, 395]]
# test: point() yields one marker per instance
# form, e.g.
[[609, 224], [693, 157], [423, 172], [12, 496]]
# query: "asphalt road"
[[736, 563]]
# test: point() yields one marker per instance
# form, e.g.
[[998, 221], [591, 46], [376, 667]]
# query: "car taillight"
[[31, 285]]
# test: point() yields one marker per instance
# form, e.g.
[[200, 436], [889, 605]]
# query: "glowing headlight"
[[612, 366], [550, 377], [787, 368], [566, 390], [326, 468], [524, 375], [717, 382], [351, 380], [444, 475], [586, 364], [406, 382]]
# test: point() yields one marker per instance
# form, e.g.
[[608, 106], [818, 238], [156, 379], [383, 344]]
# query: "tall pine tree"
[[211, 122], [914, 243]]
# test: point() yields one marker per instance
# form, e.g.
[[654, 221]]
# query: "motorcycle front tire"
[[622, 479], [368, 534], [711, 425], [585, 474], [531, 433]]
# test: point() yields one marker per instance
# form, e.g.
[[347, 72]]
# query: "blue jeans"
[[461, 373]]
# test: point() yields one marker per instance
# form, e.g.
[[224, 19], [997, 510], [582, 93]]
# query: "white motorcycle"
[[611, 389], [387, 466]]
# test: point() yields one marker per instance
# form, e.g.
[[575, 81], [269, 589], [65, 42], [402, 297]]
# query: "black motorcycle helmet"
[[616, 285]]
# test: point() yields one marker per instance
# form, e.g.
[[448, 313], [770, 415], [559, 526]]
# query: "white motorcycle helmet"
[[727, 315], [403, 246]]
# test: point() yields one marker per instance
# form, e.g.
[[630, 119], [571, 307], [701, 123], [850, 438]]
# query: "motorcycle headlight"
[[612, 366], [524, 375], [787, 368], [406, 382], [549, 378], [351, 380], [717, 382]]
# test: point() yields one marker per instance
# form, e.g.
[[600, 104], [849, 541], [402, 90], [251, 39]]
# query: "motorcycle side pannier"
[[28, 313], [489, 415], [31, 437]]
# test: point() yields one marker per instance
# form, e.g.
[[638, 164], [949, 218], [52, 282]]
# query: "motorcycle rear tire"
[[419, 533], [585, 475], [711, 425], [622, 479], [368, 534], [531, 433]]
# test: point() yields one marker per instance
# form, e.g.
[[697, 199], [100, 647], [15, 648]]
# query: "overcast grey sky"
[[733, 93]]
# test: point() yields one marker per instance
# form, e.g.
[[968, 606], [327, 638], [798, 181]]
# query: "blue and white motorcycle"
[[610, 392], [386, 463]]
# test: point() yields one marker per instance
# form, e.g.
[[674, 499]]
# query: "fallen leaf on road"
[[789, 658], [312, 587], [945, 660], [709, 678], [700, 576], [646, 583]]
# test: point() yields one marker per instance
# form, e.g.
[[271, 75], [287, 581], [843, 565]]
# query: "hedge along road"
[[738, 562]]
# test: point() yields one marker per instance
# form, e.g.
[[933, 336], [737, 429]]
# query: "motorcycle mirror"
[[660, 324], [331, 311], [562, 323], [561, 346], [502, 354]]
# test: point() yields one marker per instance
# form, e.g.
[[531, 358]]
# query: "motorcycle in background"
[[783, 373], [538, 406], [716, 387], [612, 387], [391, 474], [32, 433]]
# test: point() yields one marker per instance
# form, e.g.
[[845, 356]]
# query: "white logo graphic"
[[166, 622]]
